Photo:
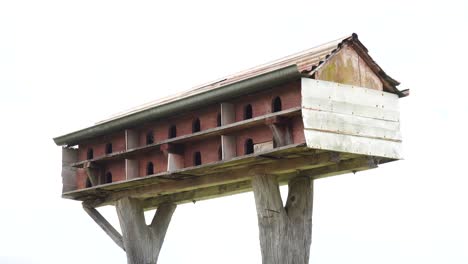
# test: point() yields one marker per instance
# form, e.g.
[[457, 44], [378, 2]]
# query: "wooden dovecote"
[[326, 111]]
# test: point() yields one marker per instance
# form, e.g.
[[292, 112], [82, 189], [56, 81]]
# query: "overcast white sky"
[[66, 64]]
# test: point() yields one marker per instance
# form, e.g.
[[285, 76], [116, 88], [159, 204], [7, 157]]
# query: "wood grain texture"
[[69, 156], [105, 225], [345, 118], [142, 242], [285, 231], [225, 176]]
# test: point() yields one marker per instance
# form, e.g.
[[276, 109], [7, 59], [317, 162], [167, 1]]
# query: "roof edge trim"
[[254, 84]]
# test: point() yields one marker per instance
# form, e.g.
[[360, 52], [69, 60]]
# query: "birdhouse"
[[325, 111]]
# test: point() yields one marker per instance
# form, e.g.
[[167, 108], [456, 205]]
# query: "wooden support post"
[[142, 242], [285, 231]]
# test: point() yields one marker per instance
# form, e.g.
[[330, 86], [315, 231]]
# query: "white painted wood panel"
[[353, 125], [350, 119]]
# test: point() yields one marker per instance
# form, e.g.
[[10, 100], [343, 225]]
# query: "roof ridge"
[[250, 72]]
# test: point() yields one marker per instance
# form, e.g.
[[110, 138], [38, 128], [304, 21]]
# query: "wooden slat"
[[69, 156], [224, 177], [131, 169], [131, 138], [228, 147], [353, 144], [354, 95], [351, 119], [228, 114], [349, 124], [345, 166]]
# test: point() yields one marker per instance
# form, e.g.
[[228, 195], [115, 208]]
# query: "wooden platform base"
[[225, 177], [285, 230]]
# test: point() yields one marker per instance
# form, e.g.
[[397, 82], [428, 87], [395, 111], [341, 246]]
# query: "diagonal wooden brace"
[[280, 128], [105, 225], [93, 172]]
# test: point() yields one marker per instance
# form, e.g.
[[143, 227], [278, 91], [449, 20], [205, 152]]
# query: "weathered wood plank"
[[69, 156], [354, 95], [228, 147], [351, 119], [131, 168], [105, 225], [342, 167], [199, 194], [284, 232], [131, 139], [228, 114], [204, 169], [352, 125], [142, 242], [174, 161], [292, 165], [353, 144]]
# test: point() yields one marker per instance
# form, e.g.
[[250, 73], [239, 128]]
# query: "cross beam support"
[[143, 242], [285, 231], [140, 241], [105, 225]]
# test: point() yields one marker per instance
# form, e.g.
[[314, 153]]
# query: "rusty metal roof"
[[306, 62]]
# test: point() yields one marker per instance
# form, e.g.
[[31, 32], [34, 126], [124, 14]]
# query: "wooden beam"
[[227, 176], [199, 194], [105, 225], [236, 187], [344, 166]]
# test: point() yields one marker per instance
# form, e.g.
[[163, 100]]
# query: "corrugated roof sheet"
[[306, 61]]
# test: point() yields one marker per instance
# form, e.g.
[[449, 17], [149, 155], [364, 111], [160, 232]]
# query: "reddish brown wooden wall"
[[290, 95], [297, 127], [158, 159], [116, 167], [261, 102], [208, 150], [80, 178], [183, 122], [99, 145], [257, 134]]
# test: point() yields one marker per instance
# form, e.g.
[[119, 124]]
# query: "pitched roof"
[[303, 63]]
